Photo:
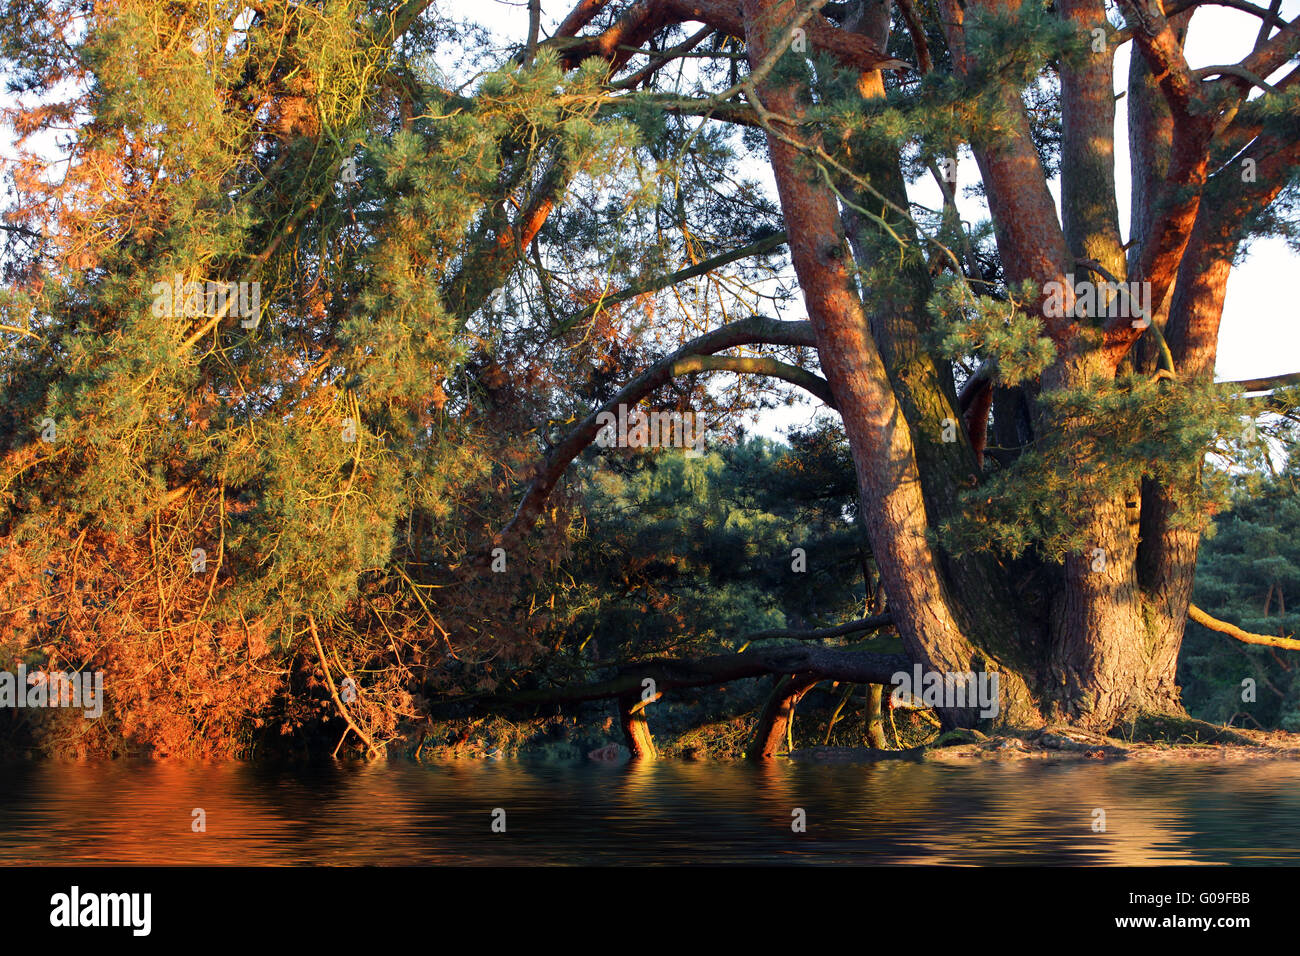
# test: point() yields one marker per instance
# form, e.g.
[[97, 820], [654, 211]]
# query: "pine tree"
[[303, 338]]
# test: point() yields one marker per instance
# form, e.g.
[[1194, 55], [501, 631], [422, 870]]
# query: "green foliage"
[[423, 338], [682, 555], [1000, 330], [1249, 575], [1100, 443]]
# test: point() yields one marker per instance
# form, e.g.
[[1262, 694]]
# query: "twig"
[[338, 701]]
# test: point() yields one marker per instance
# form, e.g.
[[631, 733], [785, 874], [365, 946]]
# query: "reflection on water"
[[402, 813]]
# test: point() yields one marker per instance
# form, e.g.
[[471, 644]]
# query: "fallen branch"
[[824, 663]]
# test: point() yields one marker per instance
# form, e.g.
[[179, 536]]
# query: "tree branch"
[[334, 694], [858, 667], [752, 331], [1273, 53], [1223, 627], [1268, 17], [1155, 37], [861, 625], [1268, 383], [764, 245], [659, 60], [643, 20], [20, 230], [756, 365]]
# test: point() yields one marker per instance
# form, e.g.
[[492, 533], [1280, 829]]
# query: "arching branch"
[[756, 365], [756, 330]]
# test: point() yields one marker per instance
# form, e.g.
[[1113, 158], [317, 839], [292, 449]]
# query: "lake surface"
[[665, 812]]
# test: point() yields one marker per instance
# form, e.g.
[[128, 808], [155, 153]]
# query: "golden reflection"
[[647, 811]]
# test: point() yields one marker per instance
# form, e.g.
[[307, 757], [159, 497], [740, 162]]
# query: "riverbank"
[[1201, 743]]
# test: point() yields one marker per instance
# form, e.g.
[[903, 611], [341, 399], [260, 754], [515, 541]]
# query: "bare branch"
[[764, 245], [1268, 383], [1246, 637], [660, 59], [334, 694]]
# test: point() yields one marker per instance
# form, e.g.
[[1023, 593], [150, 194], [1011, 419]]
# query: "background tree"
[[1248, 575]]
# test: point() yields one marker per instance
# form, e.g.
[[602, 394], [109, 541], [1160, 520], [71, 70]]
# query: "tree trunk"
[[991, 614], [879, 437], [1097, 654], [636, 732], [874, 423], [773, 725], [875, 716]]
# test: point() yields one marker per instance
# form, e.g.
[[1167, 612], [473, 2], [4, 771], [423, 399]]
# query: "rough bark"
[[988, 610], [878, 434], [1097, 645], [774, 720], [1167, 553], [1089, 212]]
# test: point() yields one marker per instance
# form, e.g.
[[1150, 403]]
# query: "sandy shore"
[[1228, 745]]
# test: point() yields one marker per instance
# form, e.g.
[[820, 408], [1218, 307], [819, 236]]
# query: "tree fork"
[[988, 608]]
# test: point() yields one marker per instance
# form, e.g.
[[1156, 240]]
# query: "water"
[[441, 813]]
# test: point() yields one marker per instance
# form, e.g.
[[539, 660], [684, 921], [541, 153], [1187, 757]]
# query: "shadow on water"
[[664, 812]]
